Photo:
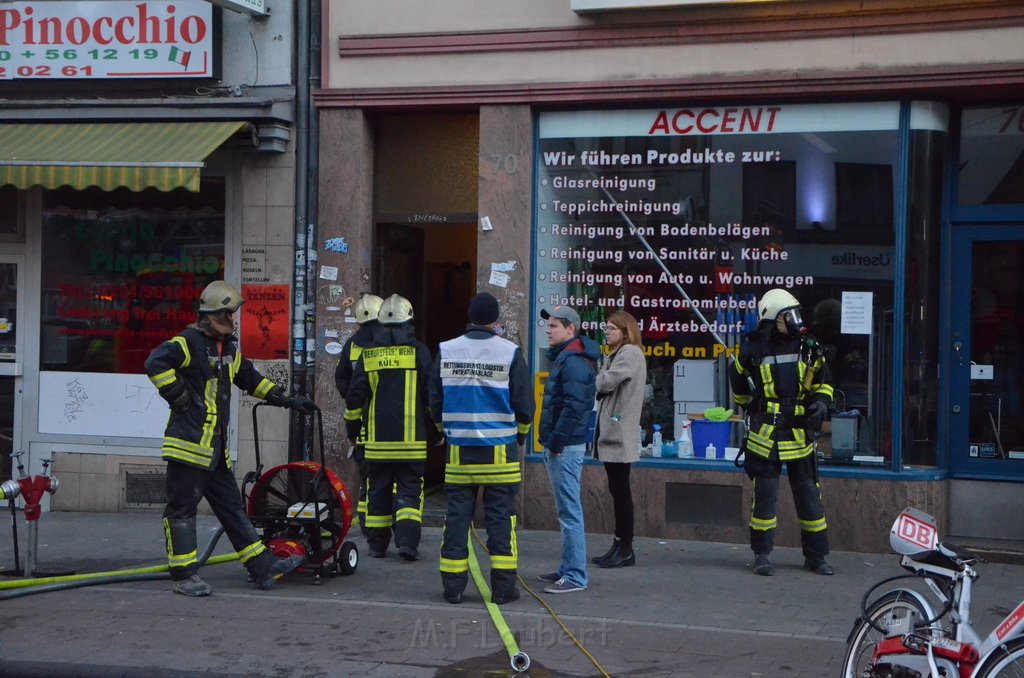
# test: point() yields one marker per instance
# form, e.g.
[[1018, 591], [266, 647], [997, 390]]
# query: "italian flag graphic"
[[179, 57]]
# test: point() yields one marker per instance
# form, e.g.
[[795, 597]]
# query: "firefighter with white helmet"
[[193, 372], [366, 310], [387, 408], [781, 380]]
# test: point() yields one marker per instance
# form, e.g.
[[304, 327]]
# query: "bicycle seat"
[[947, 557], [962, 554]]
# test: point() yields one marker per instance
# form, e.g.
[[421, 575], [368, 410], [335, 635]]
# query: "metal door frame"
[[964, 235]]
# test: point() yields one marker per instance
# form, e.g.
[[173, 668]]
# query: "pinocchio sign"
[[121, 39]]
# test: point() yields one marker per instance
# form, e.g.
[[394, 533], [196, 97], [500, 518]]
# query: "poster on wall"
[[264, 333], [685, 217]]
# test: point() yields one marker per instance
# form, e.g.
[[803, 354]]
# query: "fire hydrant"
[[31, 490]]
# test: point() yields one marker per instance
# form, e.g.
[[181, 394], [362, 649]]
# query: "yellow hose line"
[[554, 615], [511, 646], [153, 569]]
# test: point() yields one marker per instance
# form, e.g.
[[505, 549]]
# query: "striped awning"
[[133, 155]]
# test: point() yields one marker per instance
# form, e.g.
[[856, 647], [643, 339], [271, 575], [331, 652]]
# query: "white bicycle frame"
[[913, 532]]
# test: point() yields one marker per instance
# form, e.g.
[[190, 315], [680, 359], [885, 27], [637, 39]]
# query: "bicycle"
[[902, 635]]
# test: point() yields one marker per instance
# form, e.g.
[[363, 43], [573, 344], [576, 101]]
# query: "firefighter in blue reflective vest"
[[783, 383], [388, 403], [366, 315], [481, 399], [193, 372]]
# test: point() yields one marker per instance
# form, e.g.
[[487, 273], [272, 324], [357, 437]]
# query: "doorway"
[[434, 267], [987, 353], [426, 177]]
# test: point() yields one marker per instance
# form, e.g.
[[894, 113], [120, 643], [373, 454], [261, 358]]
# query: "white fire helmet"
[[394, 310], [367, 308]]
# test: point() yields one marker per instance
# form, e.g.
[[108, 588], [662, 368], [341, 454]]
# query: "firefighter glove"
[[301, 404], [180, 402], [816, 413]]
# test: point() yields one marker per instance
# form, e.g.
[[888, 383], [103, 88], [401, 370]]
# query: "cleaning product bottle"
[[656, 441], [684, 442], [709, 451]]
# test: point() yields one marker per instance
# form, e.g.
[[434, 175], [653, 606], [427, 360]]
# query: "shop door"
[[12, 290], [987, 352]]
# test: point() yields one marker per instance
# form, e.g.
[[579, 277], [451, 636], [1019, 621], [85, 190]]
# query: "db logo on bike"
[[915, 531]]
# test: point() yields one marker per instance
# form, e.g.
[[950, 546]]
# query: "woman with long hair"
[[620, 394]]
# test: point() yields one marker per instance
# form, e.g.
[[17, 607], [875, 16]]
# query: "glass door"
[[11, 291], [987, 352]]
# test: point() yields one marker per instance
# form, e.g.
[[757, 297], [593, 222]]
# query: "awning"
[[138, 155]]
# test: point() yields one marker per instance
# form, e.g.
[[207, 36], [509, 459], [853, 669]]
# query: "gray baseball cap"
[[563, 312]]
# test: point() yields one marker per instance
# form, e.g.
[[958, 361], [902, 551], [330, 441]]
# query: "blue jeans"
[[564, 473]]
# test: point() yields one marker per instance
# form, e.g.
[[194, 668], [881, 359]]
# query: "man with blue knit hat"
[[569, 394], [481, 400]]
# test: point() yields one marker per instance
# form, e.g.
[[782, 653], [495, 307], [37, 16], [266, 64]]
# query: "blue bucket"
[[713, 432]]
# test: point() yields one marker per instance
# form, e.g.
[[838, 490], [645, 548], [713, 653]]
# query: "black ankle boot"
[[597, 560], [622, 557]]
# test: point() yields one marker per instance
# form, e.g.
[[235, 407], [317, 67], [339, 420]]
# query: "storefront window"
[[685, 217], [9, 222], [122, 271], [992, 156]]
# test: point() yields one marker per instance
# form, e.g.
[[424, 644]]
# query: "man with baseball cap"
[[564, 426]]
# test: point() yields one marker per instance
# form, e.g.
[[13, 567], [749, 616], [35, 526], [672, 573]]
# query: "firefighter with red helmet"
[[193, 372], [781, 380]]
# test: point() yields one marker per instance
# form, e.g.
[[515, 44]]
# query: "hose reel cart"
[[302, 508]]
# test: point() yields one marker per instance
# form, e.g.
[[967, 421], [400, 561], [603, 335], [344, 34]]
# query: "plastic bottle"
[[684, 442], [710, 452], [656, 441]]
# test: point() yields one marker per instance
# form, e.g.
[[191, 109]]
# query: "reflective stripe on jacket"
[[204, 368], [788, 374], [481, 397], [387, 399], [475, 379]]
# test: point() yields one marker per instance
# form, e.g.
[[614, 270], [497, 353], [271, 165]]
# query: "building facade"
[[678, 159], [146, 149]]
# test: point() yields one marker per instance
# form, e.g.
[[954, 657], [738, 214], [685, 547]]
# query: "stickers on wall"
[[329, 272], [333, 347], [336, 245]]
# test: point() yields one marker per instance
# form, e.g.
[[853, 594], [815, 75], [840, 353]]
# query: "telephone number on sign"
[[45, 71], [30, 66], [107, 54]]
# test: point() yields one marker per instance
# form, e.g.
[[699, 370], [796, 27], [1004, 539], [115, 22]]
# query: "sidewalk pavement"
[[687, 609]]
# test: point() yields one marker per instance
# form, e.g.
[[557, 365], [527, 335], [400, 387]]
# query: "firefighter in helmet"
[[193, 372], [387, 403], [366, 315], [781, 380]]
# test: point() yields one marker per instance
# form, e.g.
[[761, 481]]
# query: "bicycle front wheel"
[[891, 610], [1005, 661]]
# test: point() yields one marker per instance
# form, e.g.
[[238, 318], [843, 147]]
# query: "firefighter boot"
[[454, 584], [193, 587], [763, 566], [817, 565], [503, 587], [279, 569]]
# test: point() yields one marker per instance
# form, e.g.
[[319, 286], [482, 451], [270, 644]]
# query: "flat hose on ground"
[[28, 587], [502, 626]]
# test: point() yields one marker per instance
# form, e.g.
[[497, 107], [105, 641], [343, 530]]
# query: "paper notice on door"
[[856, 318]]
